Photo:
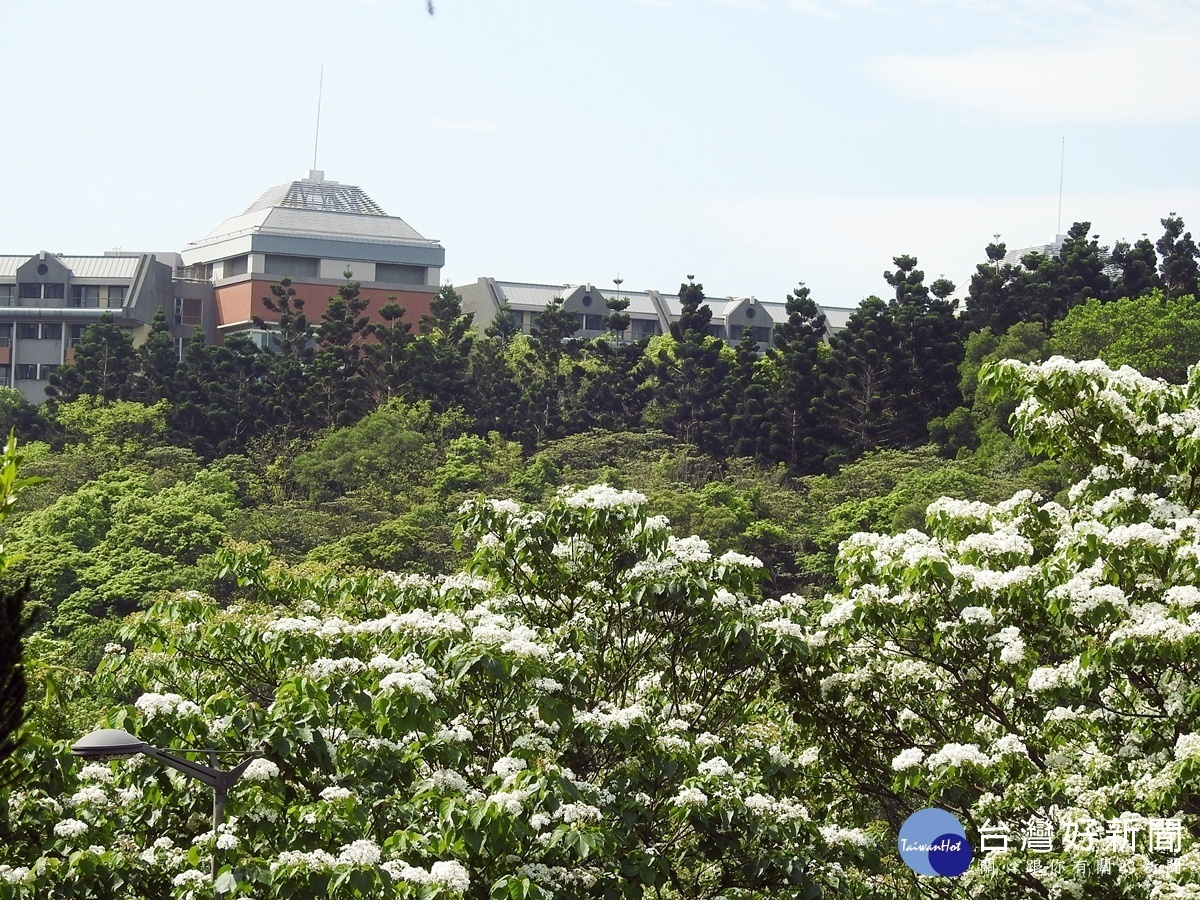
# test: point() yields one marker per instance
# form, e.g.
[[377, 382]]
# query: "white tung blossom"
[[690, 796], [908, 759], [70, 828], [602, 496], [958, 755], [261, 770], [152, 705]]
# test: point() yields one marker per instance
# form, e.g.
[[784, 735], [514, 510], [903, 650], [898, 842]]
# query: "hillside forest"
[[212, 530]]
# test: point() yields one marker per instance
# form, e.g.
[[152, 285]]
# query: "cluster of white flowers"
[[957, 755], [325, 667], [152, 705], [717, 767], [261, 770], [733, 558], [1153, 621], [360, 853], [690, 549], [837, 836], [1187, 747], [311, 861], [908, 759], [1012, 646], [510, 636], [783, 809], [334, 793], [690, 796], [447, 874], [569, 813], [608, 717], [70, 828], [507, 766], [601, 496], [191, 878], [408, 683], [89, 795], [101, 772], [14, 874]]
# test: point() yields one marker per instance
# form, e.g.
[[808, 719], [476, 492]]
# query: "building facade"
[[650, 312], [312, 231]]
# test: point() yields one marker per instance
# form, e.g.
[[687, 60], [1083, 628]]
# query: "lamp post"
[[106, 743]]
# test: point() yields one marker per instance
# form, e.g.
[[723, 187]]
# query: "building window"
[[116, 295], [26, 372], [180, 343], [587, 300], [31, 291], [644, 328], [6, 334], [292, 266], [27, 331], [760, 333], [239, 265], [6, 376], [52, 331], [45, 369], [54, 291], [717, 331], [393, 273], [76, 335], [6, 294], [85, 296], [42, 269], [187, 311], [593, 323]]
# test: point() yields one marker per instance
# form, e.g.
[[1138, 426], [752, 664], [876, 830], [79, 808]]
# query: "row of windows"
[[82, 295], [27, 372]]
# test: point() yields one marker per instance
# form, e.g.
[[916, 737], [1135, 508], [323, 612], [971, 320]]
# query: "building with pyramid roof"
[[312, 231]]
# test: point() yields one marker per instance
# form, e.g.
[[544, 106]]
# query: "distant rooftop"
[[313, 192]]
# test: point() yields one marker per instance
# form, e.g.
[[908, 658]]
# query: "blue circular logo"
[[933, 842]]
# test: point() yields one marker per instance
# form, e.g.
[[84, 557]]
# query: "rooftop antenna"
[[317, 136], [1062, 163]]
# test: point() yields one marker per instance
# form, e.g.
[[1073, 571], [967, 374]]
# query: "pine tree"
[[339, 394], [386, 360], [157, 362], [105, 364], [691, 375], [794, 428], [1139, 268], [439, 355], [290, 354], [1177, 252]]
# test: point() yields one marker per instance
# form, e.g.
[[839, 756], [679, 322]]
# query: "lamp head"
[[106, 743]]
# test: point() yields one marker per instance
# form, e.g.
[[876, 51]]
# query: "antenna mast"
[[1062, 163], [317, 136]]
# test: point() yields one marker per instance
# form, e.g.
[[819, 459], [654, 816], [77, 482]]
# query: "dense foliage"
[[590, 705]]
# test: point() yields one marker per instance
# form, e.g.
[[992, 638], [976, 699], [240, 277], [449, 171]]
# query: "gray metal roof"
[[112, 267]]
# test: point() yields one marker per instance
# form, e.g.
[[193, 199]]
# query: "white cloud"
[[1105, 67], [476, 125]]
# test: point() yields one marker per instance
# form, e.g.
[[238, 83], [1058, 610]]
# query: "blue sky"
[[751, 143]]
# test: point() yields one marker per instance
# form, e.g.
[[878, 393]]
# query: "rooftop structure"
[[650, 312], [313, 231]]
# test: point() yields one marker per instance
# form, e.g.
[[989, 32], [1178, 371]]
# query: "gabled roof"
[[116, 267]]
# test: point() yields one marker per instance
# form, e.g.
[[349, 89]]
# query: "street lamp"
[[106, 743]]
